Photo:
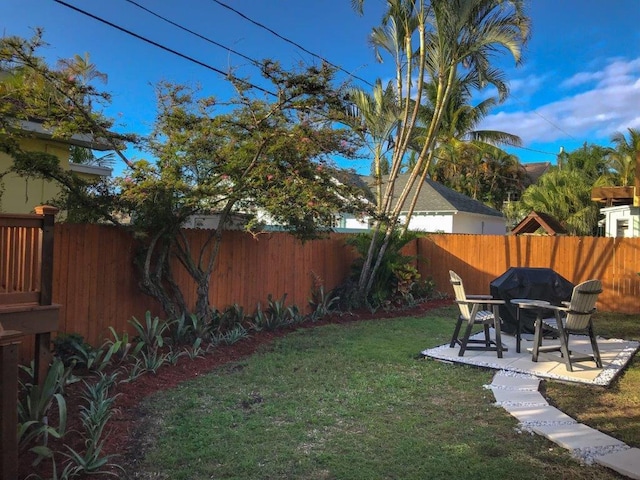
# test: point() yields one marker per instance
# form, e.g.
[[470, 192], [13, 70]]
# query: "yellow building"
[[21, 195]]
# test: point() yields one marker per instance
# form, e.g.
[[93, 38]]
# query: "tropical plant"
[[374, 118], [456, 46], [151, 360], [232, 336], [35, 425], [395, 275], [566, 196], [151, 332], [121, 346], [623, 158], [321, 302], [467, 159], [275, 316], [196, 350], [94, 416]]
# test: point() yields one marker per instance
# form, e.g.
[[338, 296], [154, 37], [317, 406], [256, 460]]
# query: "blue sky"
[[580, 80]]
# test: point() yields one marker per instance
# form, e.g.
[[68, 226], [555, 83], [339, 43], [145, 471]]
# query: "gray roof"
[[435, 197]]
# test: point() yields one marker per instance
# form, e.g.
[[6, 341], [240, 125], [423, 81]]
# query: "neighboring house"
[[534, 170], [439, 209], [621, 210], [21, 195]]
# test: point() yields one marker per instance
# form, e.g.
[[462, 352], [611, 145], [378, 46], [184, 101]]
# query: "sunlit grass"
[[347, 402]]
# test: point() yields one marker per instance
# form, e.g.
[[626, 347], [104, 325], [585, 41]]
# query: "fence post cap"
[[46, 210]]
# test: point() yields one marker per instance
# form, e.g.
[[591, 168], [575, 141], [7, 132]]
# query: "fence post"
[[9, 341], [43, 340]]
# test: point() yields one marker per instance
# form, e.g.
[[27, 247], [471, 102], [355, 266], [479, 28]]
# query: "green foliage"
[[121, 346], [395, 278], [230, 317], [321, 303], [277, 315], [66, 101], [153, 359], [566, 196], [232, 336], [196, 350], [66, 345], [270, 155], [150, 333], [35, 425], [94, 416]]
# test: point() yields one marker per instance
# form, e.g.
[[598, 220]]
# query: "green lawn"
[[346, 402]]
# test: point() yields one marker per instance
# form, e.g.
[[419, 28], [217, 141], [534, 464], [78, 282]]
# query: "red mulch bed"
[[128, 415]]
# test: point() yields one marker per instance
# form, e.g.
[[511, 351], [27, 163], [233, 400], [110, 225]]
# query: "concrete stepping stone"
[[576, 436], [539, 415], [514, 397], [626, 462]]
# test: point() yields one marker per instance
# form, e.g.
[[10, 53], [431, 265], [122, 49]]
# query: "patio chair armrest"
[[481, 301], [480, 297]]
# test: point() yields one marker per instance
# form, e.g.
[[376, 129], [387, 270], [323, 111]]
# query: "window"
[[622, 227]]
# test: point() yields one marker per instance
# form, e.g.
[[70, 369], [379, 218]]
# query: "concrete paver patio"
[[515, 388]]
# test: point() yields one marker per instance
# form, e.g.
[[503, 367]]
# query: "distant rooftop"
[[534, 171], [435, 197]]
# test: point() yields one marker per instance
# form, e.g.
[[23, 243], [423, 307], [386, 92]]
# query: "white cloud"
[[607, 102]]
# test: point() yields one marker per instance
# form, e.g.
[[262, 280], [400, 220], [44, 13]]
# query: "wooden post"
[[46, 266], [43, 353], [9, 341]]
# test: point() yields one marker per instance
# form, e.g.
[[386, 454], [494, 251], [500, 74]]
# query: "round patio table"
[[527, 304]]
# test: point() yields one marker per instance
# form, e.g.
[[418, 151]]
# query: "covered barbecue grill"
[[532, 283]]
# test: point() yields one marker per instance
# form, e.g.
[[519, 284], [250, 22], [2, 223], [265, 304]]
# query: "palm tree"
[[456, 42], [374, 117], [463, 149], [566, 196], [624, 157]]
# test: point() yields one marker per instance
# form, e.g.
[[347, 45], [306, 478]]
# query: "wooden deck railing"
[[26, 278]]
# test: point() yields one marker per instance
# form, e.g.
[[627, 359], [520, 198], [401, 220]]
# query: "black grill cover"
[[533, 283]]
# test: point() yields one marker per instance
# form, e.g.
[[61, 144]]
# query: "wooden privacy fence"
[[97, 284], [95, 281], [479, 259]]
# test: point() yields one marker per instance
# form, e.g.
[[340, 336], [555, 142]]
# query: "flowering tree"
[[266, 155]]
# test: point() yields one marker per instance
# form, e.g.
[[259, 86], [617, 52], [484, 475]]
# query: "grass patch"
[[347, 402], [615, 409]]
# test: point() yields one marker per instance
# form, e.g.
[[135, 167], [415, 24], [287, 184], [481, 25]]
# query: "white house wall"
[[421, 222], [479, 224], [622, 221], [440, 223]]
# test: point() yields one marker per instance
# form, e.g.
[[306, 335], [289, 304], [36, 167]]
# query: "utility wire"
[[206, 39], [297, 45], [163, 47], [253, 61]]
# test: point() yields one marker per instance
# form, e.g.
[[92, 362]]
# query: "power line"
[[535, 112], [163, 47], [297, 45], [213, 42], [533, 150]]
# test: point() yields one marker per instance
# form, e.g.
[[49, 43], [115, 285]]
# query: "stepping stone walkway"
[[518, 394]]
